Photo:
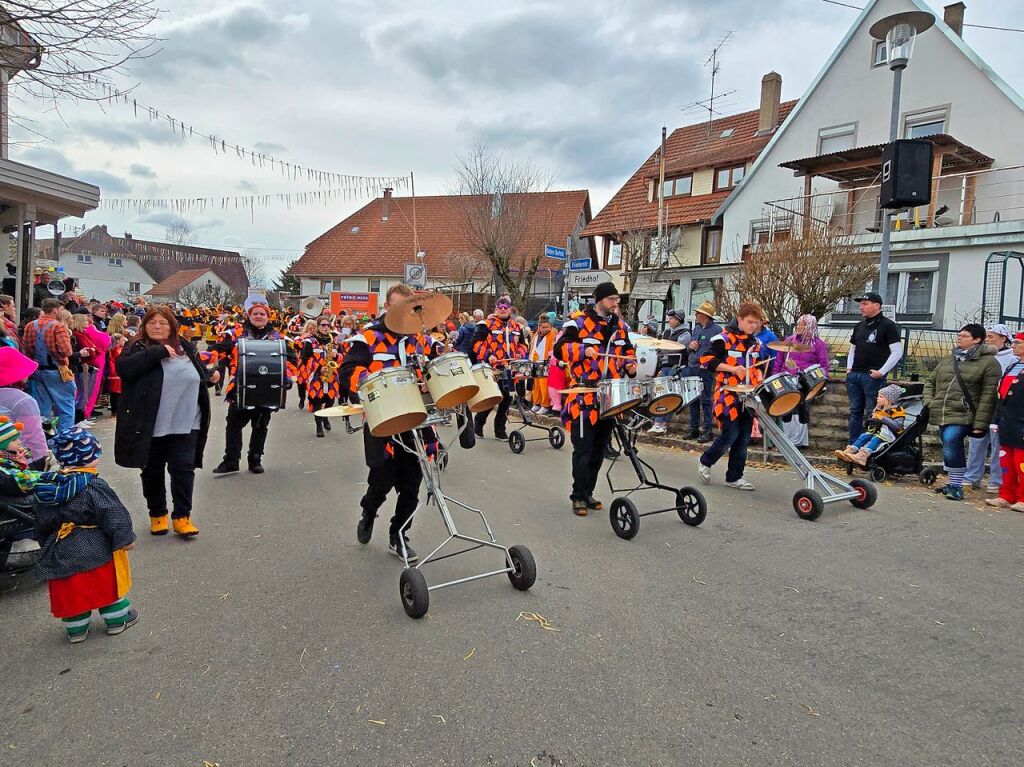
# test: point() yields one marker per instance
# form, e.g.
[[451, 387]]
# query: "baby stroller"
[[905, 454]]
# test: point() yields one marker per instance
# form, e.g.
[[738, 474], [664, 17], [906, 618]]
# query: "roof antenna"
[[714, 64]]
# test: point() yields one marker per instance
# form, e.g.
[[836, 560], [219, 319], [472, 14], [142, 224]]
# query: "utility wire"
[[975, 26]]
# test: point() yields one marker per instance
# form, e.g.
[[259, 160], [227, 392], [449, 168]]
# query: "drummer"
[[732, 358], [390, 466], [807, 350], [601, 332], [497, 340]]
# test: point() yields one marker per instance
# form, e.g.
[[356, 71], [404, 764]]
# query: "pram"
[[905, 454]]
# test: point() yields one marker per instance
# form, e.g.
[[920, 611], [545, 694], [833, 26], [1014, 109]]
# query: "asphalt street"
[[883, 637]]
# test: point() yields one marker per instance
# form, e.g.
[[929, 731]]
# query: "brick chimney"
[[771, 95], [953, 15], [386, 213]]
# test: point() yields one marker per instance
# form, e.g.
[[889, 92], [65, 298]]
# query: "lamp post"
[[899, 32]]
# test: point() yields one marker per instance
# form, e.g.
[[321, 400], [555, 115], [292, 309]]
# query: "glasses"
[[324, 325]]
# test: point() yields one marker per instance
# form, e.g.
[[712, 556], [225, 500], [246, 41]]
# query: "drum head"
[[815, 390], [622, 408], [457, 397], [485, 404], [398, 424], [665, 404], [785, 404]]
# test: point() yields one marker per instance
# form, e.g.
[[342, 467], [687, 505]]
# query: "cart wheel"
[[517, 442], [877, 474], [928, 476], [849, 469], [556, 437], [691, 506], [413, 588], [524, 569], [868, 493], [624, 518], [808, 504]]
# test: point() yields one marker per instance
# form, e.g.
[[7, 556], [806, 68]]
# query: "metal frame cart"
[[516, 438]]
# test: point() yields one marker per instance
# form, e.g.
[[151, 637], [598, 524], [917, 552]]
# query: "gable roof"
[[176, 282], [364, 244], [940, 26], [687, 149]]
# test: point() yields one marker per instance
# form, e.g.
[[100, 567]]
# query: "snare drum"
[[780, 394], [666, 395], [812, 381], [392, 401], [450, 380], [520, 368], [618, 395], [540, 369], [489, 393]]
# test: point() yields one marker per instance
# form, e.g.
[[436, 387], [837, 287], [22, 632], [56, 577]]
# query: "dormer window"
[[679, 186]]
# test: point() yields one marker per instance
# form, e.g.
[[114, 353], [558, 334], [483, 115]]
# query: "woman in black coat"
[[163, 417]]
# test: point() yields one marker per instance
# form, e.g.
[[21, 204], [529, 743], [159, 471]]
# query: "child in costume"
[[885, 423], [85, 532], [14, 457]]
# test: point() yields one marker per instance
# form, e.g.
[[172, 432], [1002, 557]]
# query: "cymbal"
[[339, 411], [578, 390], [413, 314], [788, 346], [741, 388], [660, 344]]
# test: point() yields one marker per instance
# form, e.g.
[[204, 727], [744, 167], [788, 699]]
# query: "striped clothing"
[[731, 347], [502, 339]]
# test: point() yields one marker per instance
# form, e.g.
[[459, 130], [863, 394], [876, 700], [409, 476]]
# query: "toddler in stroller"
[[885, 424], [905, 454]]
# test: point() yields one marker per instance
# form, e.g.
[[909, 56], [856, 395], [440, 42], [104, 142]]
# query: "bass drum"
[[450, 380], [489, 393], [259, 378], [646, 363], [392, 401]]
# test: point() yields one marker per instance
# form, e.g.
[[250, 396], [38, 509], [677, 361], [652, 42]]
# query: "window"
[[677, 187], [659, 248], [923, 124], [880, 55], [712, 246], [700, 291], [919, 292], [727, 178], [326, 286], [373, 286], [614, 254], [134, 287], [84, 258], [761, 229], [114, 261], [837, 139]]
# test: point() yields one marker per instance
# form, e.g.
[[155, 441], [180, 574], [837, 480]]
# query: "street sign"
[[416, 276], [579, 263], [552, 251], [588, 279]]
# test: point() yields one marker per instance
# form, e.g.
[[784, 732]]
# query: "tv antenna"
[[713, 63]]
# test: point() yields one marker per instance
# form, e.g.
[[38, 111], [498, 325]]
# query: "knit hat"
[[75, 447], [9, 431], [892, 393], [15, 366], [605, 290], [256, 300]]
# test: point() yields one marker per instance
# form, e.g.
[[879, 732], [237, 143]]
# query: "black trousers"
[[223, 366], [319, 403], [238, 417], [173, 454], [588, 455], [402, 473], [500, 412]]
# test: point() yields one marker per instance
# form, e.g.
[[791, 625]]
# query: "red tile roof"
[[686, 149], [176, 282], [363, 244]]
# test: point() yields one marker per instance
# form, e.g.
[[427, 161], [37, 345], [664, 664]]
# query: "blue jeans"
[[735, 438], [979, 450], [862, 390], [952, 436], [868, 441], [700, 408], [54, 396]]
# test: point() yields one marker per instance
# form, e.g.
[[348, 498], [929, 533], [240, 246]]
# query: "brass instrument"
[[329, 369]]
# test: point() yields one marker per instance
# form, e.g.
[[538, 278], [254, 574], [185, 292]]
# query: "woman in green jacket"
[[961, 397]]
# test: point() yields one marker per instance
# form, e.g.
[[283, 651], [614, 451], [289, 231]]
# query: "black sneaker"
[[396, 548], [593, 503], [693, 434], [130, 619], [319, 430], [327, 424], [479, 432], [502, 435], [364, 530], [706, 437], [226, 468], [255, 466]]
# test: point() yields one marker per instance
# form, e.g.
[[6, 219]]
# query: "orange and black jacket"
[[609, 335], [731, 347], [501, 339]]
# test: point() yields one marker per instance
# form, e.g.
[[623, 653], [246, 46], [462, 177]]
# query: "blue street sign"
[[579, 263], [551, 251]]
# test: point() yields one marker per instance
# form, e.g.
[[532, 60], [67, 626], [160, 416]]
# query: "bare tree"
[[493, 210], [464, 267], [179, 232], [799, 275], [255, 268], [65, 48], [208, 294]]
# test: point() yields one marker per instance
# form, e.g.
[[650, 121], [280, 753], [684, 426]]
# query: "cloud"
[[55, 161], [142, 171], [248, 186], [267, 147], [164, 218]]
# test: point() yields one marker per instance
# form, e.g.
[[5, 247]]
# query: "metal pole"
[[894, 126]]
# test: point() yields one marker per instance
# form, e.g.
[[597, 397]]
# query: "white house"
[[822, 167]]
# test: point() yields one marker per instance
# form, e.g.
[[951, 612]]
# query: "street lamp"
[[899, 32]]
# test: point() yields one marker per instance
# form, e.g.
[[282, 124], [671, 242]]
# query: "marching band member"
[[307, 332], [257, 326], [732, 358], [319, 360], [497, 340], [540, 351], [600, 332], [391, 467]]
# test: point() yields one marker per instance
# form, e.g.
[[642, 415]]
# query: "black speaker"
[[906, 174]]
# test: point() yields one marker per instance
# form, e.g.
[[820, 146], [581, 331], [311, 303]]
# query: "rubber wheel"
[[868, 493], [412, 587], [524, 569], [517, 442], [556, 437], [691, 506], [877, 474], [928, 476], [624, 518], [808, 504]]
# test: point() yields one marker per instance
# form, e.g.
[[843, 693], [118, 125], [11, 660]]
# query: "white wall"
[[103, 282]]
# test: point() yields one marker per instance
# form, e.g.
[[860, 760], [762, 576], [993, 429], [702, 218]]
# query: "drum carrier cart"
[[517, 438]]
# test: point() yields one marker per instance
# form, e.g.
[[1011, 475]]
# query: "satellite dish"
[[311, 306], [56, 288]]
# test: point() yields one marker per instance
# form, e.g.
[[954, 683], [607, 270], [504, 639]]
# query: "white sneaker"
[[86, 424], [544, 411], [704, 472], [999, 503], [535, 408], [741, 484], [992, 489], [657, 429]]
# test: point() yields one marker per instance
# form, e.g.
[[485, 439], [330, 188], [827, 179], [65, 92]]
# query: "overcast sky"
[[379, 87]]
